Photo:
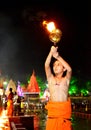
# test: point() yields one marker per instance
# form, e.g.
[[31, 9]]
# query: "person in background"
[[59, 105], [10, 103], [18, 105], [22, 105], [15, 105]]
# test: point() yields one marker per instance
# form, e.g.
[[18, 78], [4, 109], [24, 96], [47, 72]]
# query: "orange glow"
[[4, 122], [50, 26], [44, 23], [54, 33]]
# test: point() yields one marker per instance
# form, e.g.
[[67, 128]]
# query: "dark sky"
[[24, 44]]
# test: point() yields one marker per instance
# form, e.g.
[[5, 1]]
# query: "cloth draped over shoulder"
[[10, 105], [10, 96], [59, 115]]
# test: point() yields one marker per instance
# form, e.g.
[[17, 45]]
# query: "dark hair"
[[52, 63], [10, 89]]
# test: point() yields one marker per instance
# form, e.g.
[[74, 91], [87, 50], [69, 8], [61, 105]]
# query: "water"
[[81, 124], [77, 123]]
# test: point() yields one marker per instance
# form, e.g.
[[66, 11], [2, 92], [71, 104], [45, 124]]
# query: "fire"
[[4, 123], [50, 26], [54, 33]]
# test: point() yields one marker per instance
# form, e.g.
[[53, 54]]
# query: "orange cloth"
[[59, 114], [9, 107]]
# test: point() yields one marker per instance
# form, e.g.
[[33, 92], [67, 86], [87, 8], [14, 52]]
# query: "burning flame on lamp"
[[54, 33]]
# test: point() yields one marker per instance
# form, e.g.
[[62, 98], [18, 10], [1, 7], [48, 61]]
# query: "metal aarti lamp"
[[54, 33], [55, 36]]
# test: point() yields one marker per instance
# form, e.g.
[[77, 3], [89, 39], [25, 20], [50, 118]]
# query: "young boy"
[[59, 105]]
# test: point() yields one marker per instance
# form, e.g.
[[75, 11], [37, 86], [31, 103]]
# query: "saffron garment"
[[10, 107], [59, 114]]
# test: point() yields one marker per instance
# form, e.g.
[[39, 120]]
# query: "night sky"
[[24, 43]]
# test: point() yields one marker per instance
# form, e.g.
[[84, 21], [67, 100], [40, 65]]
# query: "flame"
[[50, 26], [54, 33], [4, 123]]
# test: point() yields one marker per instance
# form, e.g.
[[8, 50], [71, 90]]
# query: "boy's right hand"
[[53, 49]]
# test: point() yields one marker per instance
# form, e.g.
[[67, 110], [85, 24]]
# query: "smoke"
[[8, 44], [30, 15]]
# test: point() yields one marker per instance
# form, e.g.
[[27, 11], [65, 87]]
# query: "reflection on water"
[[40, 120], [81, 124]]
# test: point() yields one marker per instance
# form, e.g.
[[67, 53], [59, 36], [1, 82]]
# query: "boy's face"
[[58, 67]]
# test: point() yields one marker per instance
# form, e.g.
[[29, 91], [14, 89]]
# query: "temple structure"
[[33, 86], [32, 93]]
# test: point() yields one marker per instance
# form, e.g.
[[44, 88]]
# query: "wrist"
[[57, 56], [50, 53]]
